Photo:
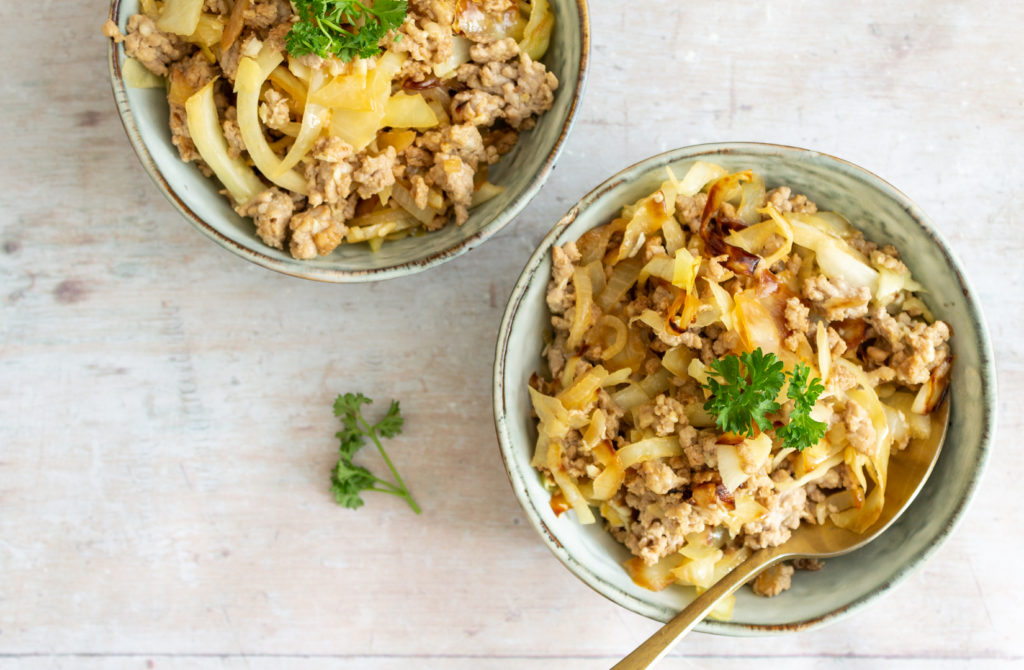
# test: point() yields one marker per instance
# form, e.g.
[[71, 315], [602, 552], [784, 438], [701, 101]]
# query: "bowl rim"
[[294, 268], [989, 386]]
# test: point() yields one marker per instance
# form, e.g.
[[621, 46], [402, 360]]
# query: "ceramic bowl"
[[851, 582], [144, 113]]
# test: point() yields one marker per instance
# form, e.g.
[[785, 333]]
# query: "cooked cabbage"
[[649, 448], [537, 35], [137, 75], [699, 175], [180, 16]]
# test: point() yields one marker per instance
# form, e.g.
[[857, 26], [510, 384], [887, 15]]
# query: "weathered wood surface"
[[165, 423]]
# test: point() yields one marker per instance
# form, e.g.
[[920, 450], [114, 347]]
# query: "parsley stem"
[[373, 436]]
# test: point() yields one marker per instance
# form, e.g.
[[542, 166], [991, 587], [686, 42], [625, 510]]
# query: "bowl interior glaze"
[[850, 582], [144, 113]]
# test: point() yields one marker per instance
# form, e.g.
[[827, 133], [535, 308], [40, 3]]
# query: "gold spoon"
[[908, 470]]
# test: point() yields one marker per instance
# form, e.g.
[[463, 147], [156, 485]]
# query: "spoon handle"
[[659, 644]]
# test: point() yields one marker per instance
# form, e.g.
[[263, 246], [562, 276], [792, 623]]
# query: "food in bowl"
[[729, 362], [322, 139]]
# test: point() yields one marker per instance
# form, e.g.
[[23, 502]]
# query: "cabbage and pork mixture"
[[728, 362], [340, 121]]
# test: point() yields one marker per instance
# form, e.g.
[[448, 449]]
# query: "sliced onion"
[[610, 480], [584, 311], [408, 203], [622, 279], [630, 397], [247, 103], [569, 490], [313, 121], [621, 335], [208, 136], [537, 35]]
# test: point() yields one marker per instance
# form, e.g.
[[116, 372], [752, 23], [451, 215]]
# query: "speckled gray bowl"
[[522, 172], [852, 582]]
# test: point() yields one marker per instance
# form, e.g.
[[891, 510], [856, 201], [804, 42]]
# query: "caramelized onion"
[[235, 24], [429, 82]]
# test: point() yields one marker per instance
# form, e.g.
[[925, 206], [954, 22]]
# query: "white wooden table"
[[165, 422]]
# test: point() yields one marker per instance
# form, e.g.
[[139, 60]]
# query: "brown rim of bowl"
[[293, 268], [740, 629]]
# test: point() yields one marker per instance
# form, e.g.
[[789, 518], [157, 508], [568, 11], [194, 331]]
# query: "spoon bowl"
[[907, 472]]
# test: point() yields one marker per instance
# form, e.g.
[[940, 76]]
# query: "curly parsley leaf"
[[349, 480], [802, 431], [345, 29], [744, 396]]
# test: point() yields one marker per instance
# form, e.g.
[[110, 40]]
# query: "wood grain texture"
[[165, 423]]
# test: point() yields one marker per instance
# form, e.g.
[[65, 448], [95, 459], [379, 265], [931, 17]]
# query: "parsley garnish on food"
[[349, 480], [802, 431], [746, 396], [345, 28]]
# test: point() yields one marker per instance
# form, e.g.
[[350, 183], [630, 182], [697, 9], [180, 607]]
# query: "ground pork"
[[917, 348], [111, 30], [836, 298], [462, 140], [427, 44], [785, 511], [232, 133], [797, 322], [274, 111], [272, 211], [811, 564], [217, 6], [701, 450], [329, 175], [561, 296], [659, 477], [779, 198], [513, 91], [453, 176], [859, 429], [664, 414], [663, 520], [375, 173], [195, 73], [150, 46], [440, 11], [315, 231], [773, 581], [887, 257], [575, 459], [689, 210], [499, 51], [477, 107], [265, 14]]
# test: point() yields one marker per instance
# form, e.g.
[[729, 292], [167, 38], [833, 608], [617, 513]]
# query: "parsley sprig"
[[349, 480], [344, 28], [802, 431], [744, 389], [748, 395]]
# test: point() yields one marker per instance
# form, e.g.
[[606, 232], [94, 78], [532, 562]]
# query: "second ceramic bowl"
[[523, 172], [848, 583]]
